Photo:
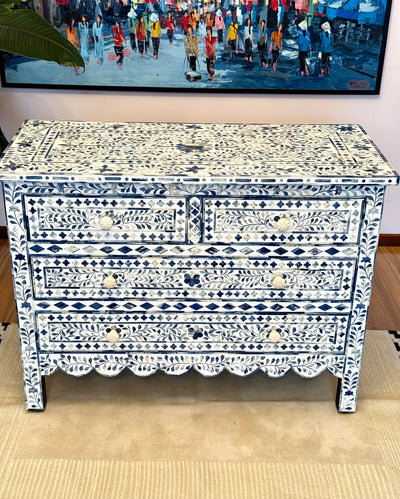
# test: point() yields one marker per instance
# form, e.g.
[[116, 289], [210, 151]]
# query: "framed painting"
[[269, 46]]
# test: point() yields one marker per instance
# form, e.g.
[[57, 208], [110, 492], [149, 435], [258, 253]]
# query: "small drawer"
[[199, 278], [230, 220], [80, 219], [207, 332]]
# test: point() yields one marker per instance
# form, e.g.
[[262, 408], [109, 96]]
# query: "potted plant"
[[26, 33]]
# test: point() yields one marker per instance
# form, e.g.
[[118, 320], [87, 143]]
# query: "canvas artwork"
[[278, 46]]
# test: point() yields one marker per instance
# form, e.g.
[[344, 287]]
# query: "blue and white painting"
[[295, 46]]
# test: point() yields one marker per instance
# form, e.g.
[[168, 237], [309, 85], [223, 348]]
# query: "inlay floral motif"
[[200, 277], [143, 364], [153, 253], [150, 150]]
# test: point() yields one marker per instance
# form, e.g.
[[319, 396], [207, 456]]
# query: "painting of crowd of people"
[[231, 45]]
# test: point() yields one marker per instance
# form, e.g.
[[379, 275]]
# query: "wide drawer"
[[198, 278], [79, 219], [230, 220], [191, 332]]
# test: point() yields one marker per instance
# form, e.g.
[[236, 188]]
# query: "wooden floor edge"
[[384, 239]]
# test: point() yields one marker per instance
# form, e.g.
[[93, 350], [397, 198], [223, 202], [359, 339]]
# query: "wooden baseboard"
[[384, 239], [389, 240]]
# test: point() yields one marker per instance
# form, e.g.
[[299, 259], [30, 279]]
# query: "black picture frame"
[[357, 30]]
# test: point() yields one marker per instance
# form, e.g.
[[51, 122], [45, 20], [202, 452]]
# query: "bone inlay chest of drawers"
[[159, 246]]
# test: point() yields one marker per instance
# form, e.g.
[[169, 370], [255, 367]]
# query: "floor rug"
[[166, 437]]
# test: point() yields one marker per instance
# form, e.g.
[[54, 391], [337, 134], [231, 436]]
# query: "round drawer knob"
[[282, 223], [112, 335], [109, 282], [274, 336], [278, 281], [106, 221]]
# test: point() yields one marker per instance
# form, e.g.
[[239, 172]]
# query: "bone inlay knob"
[[109, 282], [106, 221], [282, 223], [112, 335], [278, 281], [274, 336]]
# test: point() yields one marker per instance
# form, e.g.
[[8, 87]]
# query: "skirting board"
[[389, 240], [384, 239]]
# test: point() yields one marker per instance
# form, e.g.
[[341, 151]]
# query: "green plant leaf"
[[25, 33]]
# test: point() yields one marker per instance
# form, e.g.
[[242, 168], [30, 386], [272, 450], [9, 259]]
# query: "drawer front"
[[191, 332], [197, 278], [80, 219], [230, 220]]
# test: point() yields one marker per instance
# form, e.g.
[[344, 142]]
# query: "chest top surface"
[[178, 152]]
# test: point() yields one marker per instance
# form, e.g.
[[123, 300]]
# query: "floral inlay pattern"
[[252, 252], [155, 277], [133, 150]]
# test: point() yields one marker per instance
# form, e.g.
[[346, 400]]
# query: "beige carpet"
[[193, 437]]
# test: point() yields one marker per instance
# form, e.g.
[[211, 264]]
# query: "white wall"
[[379, 115]]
